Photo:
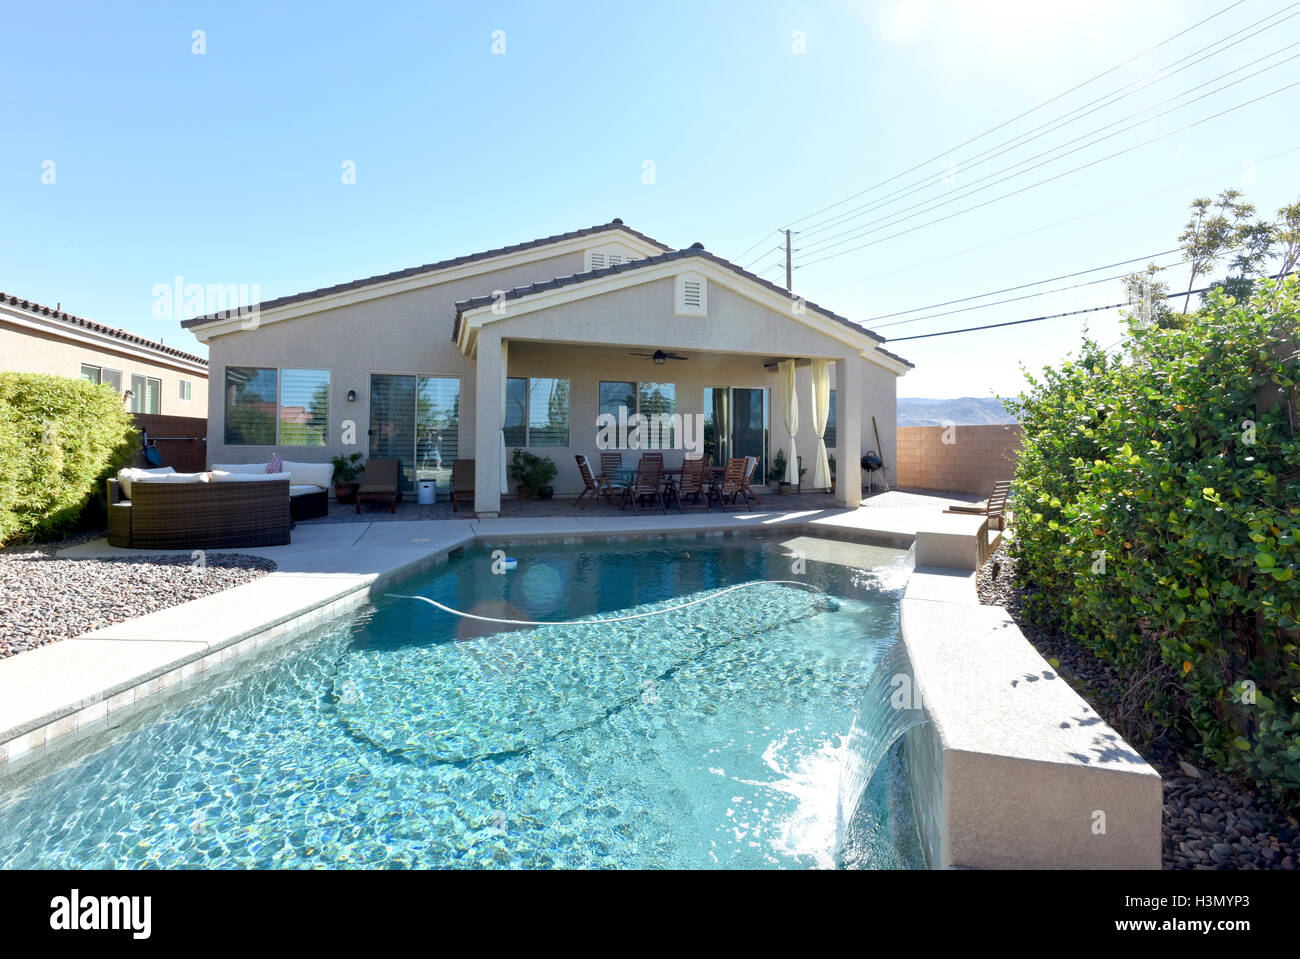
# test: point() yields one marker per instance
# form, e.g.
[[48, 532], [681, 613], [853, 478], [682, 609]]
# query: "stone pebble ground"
[[44, 599]]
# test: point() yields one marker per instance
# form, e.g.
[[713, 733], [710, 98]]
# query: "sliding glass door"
[[737, 423], [416, 419]]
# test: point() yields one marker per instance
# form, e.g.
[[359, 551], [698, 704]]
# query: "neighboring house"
[[525, 346], [157, 377]]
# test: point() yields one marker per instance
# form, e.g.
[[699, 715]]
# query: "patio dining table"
[[670, 476]]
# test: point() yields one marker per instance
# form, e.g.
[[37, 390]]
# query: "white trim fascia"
[[449, 274], [98, 341], [472, 320]]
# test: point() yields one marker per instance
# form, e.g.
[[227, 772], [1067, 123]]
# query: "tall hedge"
[[59, 438], [1157, 505]]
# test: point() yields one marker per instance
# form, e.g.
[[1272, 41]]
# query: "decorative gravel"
[[1210, 821], [44, 598]]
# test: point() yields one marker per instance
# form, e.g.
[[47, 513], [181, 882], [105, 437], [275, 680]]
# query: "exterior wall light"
[[352, 396]]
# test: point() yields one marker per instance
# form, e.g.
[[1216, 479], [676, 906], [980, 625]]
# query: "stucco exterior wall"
[[31, 351], [585, 341], [404, 333]]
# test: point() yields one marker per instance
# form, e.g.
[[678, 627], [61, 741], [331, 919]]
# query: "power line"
[[894, 218], [860, 229], [1059, 176], [760, 240], [1012, 289], [1066, 119], [1013, 299], [775, 249], [1037, 319], [1055, 316], [1018, 236], [1021, 116]]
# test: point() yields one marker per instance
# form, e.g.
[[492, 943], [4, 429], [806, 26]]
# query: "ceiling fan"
[[659, 356]]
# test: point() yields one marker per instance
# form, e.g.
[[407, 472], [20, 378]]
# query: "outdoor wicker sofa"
[[199, 515]]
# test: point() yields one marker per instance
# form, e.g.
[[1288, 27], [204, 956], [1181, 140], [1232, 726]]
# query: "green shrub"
[[1157, 505], [59, 438]]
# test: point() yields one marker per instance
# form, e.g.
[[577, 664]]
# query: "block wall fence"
[[976, 457]]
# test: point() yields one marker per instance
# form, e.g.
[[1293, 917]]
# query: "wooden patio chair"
[[597, 485], [462, 482], [733, 482], [649, 477], [994, 507], [382, 481], [692, 484], [751, 465], [611, 469]]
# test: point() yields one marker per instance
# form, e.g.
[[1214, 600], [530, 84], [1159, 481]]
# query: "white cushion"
[[302, 490], [225, 476], [241, 467], [311, 474], [126, 476]]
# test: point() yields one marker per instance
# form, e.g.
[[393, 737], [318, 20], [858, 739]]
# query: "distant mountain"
[[963, 411]]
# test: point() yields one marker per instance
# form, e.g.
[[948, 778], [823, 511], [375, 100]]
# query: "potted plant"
[[345, 477], [532, 475], [776, 474], [831, 459]]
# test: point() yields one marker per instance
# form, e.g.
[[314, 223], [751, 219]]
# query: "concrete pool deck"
[[93, 681]]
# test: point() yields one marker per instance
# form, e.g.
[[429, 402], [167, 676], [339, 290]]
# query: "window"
[[266, 407], [537, 411], [829, 434], [103, 377], [146, 394], [304, 407], [250, 406], [644, 398], [416, 419], [187, 391]]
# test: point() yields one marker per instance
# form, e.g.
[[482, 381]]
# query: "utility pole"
[[788, 285]]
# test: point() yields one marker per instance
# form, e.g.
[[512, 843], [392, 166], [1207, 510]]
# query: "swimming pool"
[[403, 736]]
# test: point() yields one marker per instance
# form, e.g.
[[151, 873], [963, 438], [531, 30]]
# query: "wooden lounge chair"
[[647, 485], [462, 482], [381, 482], [692, 484], [733, 482], [596, 485], [994, 507]]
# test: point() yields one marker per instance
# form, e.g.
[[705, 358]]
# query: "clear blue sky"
[[226, 167]]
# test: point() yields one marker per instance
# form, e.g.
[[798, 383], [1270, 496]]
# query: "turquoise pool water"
[[400, 735]]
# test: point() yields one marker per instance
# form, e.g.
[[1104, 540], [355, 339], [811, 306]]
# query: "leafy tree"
[[1212, 232]]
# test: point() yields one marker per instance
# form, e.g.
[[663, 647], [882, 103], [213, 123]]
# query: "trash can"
[[426, 491]]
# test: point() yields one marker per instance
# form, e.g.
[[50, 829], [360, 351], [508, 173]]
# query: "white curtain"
[[790, 409], [821, 411]]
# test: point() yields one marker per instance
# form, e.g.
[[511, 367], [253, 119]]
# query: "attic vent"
[[692, 295], [601, 260]]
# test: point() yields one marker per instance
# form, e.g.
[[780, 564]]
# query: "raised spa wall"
[[1014, 769]]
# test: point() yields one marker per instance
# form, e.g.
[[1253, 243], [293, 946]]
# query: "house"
[[527, 346], [150, 377]]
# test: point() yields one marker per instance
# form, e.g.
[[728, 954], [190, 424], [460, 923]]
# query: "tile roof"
[[697, 250], [615, 224], [126, 337]]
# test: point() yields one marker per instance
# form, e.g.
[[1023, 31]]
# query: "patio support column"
[[848, 428], [489, 413]]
